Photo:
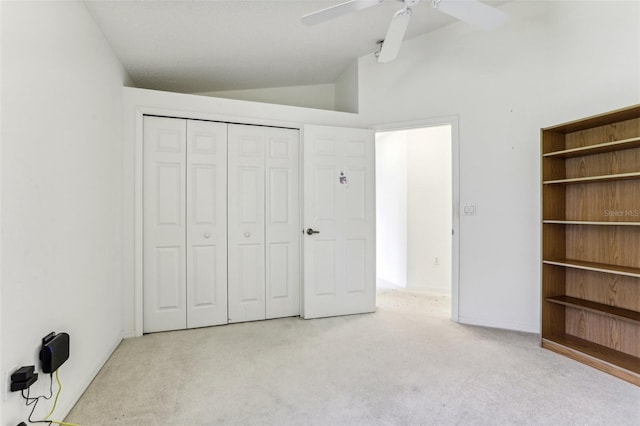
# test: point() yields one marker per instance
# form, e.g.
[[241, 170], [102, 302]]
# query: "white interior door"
[[206, 223], [246, 228], [339, 204], [282, 223], [164, 224]]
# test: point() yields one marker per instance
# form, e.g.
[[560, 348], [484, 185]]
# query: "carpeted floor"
[[407, 364]]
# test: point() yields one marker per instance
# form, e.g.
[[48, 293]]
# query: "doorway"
[[416, 191]]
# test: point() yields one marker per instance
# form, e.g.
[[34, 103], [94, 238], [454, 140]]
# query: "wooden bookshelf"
[[601, 357], [598, 308], [595, 149], [596, 267], [601, 178], [583, 222], [591, 241]]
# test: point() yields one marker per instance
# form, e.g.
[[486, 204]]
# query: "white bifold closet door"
[[264, 227], [185, 240]]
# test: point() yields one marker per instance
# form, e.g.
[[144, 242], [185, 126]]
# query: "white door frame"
[[455, 193], [138, 254]]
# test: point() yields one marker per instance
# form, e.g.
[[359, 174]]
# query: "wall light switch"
[[469, 209]]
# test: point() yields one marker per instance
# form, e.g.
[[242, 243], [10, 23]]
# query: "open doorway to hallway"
[[414, 213]]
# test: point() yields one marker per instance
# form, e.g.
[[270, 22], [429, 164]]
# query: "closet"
[[264, 230], [221, 223]]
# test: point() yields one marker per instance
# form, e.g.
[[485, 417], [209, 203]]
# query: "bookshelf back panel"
[[610, 289], [613, 245], [553, 240], [553, 284], [553, 168], [553, 319], [554, 202], [608, 163], [623, 336], [607, 133], [553, 141], [601, 201]]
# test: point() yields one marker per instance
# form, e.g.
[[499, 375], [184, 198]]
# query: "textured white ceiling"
[[200, 46]]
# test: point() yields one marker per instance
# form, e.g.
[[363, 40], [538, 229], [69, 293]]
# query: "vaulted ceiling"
[[201, 46]]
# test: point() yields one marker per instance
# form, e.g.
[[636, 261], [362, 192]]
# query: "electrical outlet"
[[6, 377]]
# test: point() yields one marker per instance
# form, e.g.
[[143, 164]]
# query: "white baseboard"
[[514, 326], [384, 284], [127, 334], [436, 291]]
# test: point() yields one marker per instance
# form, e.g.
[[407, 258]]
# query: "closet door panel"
[[282, 223], [246, 235], [250, 280], [206, 223], [164, 217]]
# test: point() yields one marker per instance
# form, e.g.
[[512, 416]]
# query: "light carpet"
[[406, 364]]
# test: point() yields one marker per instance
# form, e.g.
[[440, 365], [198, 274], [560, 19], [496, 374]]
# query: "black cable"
[[34, 401], [41, 396]]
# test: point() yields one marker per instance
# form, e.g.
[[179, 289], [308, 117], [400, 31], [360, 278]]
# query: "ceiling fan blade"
[[338, 10], [395, 35], [472, 12]]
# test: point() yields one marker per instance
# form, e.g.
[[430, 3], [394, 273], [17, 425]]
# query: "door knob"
[[207, 235], [247, 234], [311, 231]]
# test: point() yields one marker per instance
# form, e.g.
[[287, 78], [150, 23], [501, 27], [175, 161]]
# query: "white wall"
[[552, 62], [429, 209], [321, 96], [339, 96], [346, 89], [61, 194], [139, 101], [391, 209], [4, 378]]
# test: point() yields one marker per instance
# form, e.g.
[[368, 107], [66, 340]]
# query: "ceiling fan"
[[470, 11]]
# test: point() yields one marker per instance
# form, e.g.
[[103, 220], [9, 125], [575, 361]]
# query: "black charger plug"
[[23, 377]]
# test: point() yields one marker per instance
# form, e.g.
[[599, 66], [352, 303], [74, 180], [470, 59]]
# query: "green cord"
[[55, 402]]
